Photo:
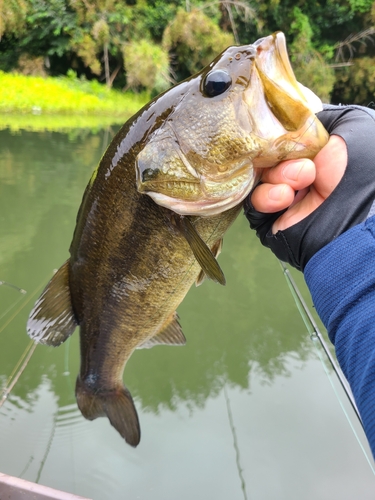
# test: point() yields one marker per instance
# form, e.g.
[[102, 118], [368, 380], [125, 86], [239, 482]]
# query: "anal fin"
[[52, 319], [170, 334]]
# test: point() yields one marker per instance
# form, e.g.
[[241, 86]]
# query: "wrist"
[[341, 273]]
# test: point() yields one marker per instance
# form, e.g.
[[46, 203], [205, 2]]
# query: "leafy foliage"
[[310, 67], [125, 43], [65, 95], [356, 83], [12, 16], [47, 24], [195, 39], [99, 34], [146, 65]]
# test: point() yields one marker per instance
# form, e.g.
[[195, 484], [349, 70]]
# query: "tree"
[[101, 29], [146, 65], [309, 65], [100, 38], [12, 16], [194, 40]]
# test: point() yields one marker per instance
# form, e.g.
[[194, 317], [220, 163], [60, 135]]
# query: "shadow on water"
[[245, 343]]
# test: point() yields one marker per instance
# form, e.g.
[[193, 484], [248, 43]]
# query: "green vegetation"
[[150, 44], [64, 95]]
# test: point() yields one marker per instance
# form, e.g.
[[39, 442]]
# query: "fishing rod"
[[315, 333], [21, 290], [30, 348], [18, 289], [17, 372]]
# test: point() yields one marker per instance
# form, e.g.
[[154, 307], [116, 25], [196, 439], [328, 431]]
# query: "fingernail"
[[291, 172], [276, 193]]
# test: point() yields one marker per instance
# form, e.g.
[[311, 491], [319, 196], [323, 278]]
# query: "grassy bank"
[[29, 95]]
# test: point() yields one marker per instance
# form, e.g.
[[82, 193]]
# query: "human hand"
[[334, 192], [314, 181]]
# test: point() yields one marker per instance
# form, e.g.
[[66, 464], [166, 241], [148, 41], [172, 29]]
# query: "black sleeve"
[[348, 205]]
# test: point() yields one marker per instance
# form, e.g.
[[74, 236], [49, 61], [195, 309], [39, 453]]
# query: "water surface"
[[244, 411]]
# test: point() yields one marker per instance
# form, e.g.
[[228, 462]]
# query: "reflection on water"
[[227, 416]]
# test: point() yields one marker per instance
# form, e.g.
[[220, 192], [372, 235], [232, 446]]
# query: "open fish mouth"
[[273, 61]]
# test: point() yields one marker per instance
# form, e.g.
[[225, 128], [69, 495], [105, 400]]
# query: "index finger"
[[298, 174]]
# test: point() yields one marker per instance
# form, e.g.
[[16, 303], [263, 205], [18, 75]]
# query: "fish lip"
[[149, 187]]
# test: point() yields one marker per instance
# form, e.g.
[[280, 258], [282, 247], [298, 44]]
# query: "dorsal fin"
[[170, 334], [216, 250], [201, 252], [52, 319]]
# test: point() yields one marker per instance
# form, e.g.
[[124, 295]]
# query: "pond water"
[[246, 410]]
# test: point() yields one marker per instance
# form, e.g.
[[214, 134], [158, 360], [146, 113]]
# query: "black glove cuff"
[[261, 222]]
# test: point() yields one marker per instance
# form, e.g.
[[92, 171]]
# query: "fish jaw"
[[305, 142], [225, 199], [295, 130], [272, 60]]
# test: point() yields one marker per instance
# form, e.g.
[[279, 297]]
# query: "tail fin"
[[116, 404]]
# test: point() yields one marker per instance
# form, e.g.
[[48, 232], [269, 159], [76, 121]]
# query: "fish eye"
[[216, 83]]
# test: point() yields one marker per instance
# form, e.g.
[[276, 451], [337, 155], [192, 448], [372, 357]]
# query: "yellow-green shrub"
[[67, 95]]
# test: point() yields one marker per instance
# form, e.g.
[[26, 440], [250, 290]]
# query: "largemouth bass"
[[155, 211]]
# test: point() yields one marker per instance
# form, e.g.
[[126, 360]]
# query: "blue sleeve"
[[341, 279]]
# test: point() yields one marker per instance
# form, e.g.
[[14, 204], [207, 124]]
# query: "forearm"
[[341, 279]]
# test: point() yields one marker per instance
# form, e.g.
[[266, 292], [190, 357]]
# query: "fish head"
[[243, 112]]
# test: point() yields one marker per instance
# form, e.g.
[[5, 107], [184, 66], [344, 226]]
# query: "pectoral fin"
[[216, 250], [202, 253], [52, 319], [170, 334]]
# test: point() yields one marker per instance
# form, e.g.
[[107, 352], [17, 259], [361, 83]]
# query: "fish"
[[155, 211]]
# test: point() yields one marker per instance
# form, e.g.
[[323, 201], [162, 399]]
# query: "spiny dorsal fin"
[[52, 319], [216, 250], [170, 334], [201, 252]]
